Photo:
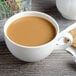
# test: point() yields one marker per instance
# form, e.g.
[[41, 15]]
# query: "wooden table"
[[59, 63]]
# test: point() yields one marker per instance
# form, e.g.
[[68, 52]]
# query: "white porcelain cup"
[[36, 53]]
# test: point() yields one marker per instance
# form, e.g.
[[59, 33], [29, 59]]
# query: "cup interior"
[[30, 13]]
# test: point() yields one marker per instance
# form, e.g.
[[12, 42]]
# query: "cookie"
[[73, 33]]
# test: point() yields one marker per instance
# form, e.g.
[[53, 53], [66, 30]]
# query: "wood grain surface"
[[59, 63]]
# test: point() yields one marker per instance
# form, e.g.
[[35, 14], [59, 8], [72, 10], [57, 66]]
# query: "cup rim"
[[37, 12]]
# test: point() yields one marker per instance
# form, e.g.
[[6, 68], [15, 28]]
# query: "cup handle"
[[61, 44]]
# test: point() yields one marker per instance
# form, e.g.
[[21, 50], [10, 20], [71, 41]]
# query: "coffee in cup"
[[31, 31]]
